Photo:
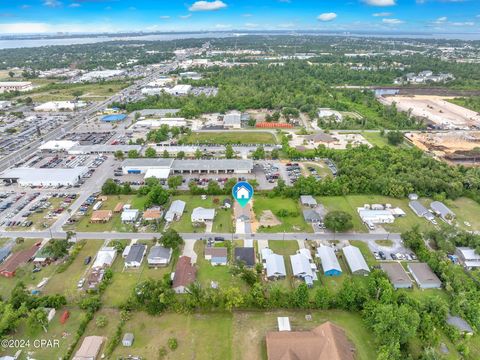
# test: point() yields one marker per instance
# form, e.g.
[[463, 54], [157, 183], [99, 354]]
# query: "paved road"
[[197, 236]]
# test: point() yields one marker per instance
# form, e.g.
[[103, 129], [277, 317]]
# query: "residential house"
[[302, 269], [16, 260], [176, 211], [460, 324], [105, 257], [308, 200], [469, 257], [185, 274], [424, 276], [101, 216], [245, 255], [330, 264], [443, 211], [421, 210], [216, 255], [129, 215], [202, 215], [275, 266], [311, 216], [159, 256], [135, 256], [90, 348], [397, 275], [152, 215], [355, 260]]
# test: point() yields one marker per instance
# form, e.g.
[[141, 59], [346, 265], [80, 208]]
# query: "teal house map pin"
[[242, 192]]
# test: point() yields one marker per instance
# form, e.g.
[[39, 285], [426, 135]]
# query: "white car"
[[80, 283]]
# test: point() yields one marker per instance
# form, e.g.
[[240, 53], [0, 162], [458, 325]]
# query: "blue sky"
[[32, 16]]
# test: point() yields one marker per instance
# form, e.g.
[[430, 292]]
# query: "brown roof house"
[[101, 216], [16, 260], [152, 214], [90, 348], [118, 208], [325, 342], [185, 274]]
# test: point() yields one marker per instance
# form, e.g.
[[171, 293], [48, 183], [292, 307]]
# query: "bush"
[[172, 343]]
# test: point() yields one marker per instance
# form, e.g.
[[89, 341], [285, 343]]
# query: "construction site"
[[452, 146]]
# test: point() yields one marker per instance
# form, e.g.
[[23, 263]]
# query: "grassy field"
[[56, 331], [375, 138], [287, 247], [250, 329], [350, 203], [115, 224], [466, 210], [230, 137], [66, 282], [223, 217], [291, 223], [88, 92]]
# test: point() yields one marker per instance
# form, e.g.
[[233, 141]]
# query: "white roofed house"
[[129, 215], [308, 200], [330, 264], [105, 257], [468, 257], [275, 266], [202, 215], [355, 260], [176, 211], [302, 269]]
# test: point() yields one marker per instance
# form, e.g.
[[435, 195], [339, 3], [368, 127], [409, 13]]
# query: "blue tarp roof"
[[114, 117]]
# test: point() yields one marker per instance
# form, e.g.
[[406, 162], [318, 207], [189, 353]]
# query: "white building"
[[302, 269], [327, 113], [101, 74], [176, 211], [129, 215], [44, 176], [232, 120], [469, 257], [8, 86], [60, 106], [275, 267], [202, 215], [5, 105], [356, 261], [375, 216], [179, 90], [58, 145], [330, 264], [105, 257], [156, 123]]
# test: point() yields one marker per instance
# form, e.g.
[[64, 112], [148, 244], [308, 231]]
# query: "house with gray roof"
[[159, 256], [311, 216], [302, 269], [308, 200], [424, 276], [397, 275], [202, 215], [443, 211], [460, 324], [355, 260], [245, 255], [420, 210], [216, 255], [176, 211], [135, 255]]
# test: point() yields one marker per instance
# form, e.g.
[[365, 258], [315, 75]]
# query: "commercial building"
[[397, 275], [330, 264], [102, 149], [355, 260], [325, 342], [58, 145], [114, 118], [468, 257], [424, 276], [159, 256], [101, 74], [8, 86], [157, 123], [232, 120], [53, 106], [185, 274], [176, 211], [165, 167], [179, 90], [44, 176]]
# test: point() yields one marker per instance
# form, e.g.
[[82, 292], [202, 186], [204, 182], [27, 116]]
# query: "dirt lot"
[[436, 110], [445, 144]]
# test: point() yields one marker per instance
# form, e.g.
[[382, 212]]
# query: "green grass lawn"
[[250, 329], [350, 203], [292, 223], [287, 247], [199, 336], [115, 224], [66, 282], [466, 210], [223, 217], [230, 137], [55, 331]]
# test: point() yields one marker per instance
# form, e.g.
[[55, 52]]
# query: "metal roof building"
[[44, 176], [200, 214], [330, 264], [355, 260], [424, 276], [460, 324], [397, 275], [102, 149], [308, 200], [135, 255], [420, 210], [442, 210], [213, 166], [176, 210], [159, 256], [469, 257], [114, 117], [275, 267], [302, 269]]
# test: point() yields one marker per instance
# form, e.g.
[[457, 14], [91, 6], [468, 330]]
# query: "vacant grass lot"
[[86, 92], [287, 247], [294, 222], [115, 224], [223, 222], [66, 282], [230, 137], [55, 331], [350, 203], [466, 210]]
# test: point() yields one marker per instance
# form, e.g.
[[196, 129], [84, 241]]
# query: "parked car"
[[87, 260]]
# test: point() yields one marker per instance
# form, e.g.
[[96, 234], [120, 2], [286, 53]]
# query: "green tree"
[[119, 155], [395, 137], [165, 154], [101, 321], [57, 248], [338, 221], [229, 153], [133, 154], [180, 154], [150, 152], [198, 154], [110, 187], [259, 153], [174, 182], [171, 239]]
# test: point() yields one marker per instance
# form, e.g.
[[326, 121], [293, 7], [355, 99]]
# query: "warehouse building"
[[7, 86], [114, 118], [161, 168], [397, 275], [424, 276], [58, 145], [60, 106], [355, 260], [44, 176], [330, 264]]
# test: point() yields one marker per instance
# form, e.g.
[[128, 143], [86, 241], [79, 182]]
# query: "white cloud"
[[327, 16], [207, 5], [392, 21], [441, 20], [463, 23], [382, 14], [185, 16], [251, 25], [164, 17], [74, 5], [223, 26], [380, 2], [52, 3]]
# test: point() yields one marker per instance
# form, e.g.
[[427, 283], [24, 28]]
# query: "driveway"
[[188, 250]]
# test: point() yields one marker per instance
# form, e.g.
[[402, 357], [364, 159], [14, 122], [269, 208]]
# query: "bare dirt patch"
[[268, 218]]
